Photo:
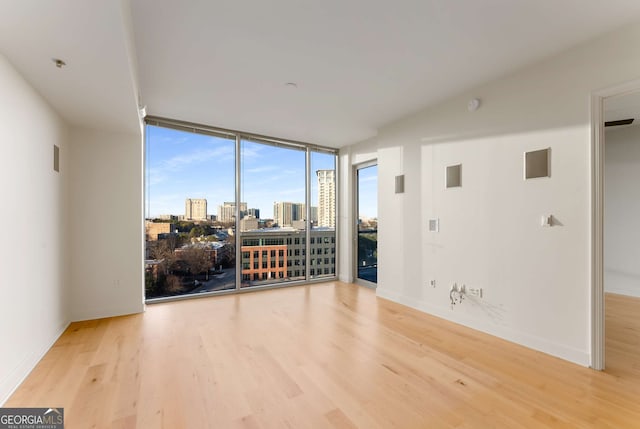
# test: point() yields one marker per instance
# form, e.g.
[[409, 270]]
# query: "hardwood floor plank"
[[325, 356]]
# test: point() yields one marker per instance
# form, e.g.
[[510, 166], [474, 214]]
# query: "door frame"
[[597, 216], [356, 197]]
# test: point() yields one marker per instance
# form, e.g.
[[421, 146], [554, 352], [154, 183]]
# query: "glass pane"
[[188, 250], [368, 224], [322, 261], [273, 238]]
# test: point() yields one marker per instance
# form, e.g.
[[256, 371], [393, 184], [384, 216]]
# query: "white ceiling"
[[358, 64], [95, 89]]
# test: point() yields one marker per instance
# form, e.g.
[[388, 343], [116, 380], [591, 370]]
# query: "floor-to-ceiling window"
[[273, 243], [189, 176], [322, 257], [367, 223], [215, 196]]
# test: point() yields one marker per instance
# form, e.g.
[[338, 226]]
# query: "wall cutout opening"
[[400, 184], [454, 176], [536, 163], [56, 159]]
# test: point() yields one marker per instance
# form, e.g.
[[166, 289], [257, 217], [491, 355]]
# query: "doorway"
[[366, 228], [621, 234], [613, 99]]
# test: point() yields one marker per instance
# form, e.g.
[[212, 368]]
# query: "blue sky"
[[368, 189], [184, 165]]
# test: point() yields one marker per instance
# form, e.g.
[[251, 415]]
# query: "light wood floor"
[[622, 327], [321, 356]]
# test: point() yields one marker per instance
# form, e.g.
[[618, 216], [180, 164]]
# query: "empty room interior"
[[368, 214]]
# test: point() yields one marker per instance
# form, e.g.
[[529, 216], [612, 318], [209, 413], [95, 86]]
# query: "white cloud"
[[162, 170], [261, 169]]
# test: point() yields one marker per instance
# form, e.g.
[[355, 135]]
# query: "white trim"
[[577, 356], [597, 237], [597, 216], [20, 372]]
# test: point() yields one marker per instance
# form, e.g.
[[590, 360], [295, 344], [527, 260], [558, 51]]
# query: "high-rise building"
[[326, 198], [284, 212], [314, 215], [254, 212], [195, 209], [248, 223], [227, 211]]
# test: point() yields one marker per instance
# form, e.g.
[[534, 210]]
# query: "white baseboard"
[[102, 313], [570, 354], [19, 373], [621, 283]]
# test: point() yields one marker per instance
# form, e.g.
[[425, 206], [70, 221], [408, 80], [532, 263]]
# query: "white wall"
[[106, 237], [33, 308], [622, 211], [536, 280]]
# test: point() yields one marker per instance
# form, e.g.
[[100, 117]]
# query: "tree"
[[198, 260], [165, 250], [173, 285], [227, 254]]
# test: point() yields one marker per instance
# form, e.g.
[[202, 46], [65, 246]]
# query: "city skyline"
[[181, 165]]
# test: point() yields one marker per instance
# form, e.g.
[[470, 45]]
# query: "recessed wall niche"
[[536, 163], [56, 159], [400, 184], [454, 176]]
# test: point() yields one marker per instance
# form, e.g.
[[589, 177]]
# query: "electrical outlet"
[[475, 292], [432, 283]]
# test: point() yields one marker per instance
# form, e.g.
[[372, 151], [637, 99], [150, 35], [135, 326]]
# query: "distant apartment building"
[[326, 198], [254, 212], [195, 209], [227, 211], [157, 230], [299, 224], [248, 223], [280, 253], [314, 215], [284, 213], [167, 217]]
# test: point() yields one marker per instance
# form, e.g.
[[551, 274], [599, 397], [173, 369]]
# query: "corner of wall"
[[34, 308], [107, 234]]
